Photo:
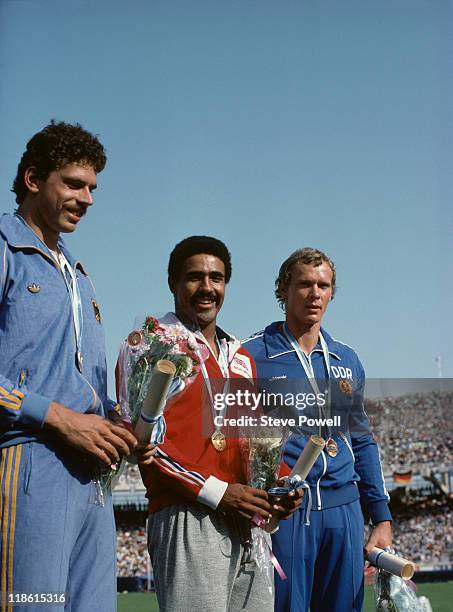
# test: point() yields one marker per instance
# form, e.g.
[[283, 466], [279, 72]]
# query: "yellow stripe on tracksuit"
[[18, 394], [9, 464], [11, 399]]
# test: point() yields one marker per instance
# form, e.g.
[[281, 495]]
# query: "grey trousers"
[[199, 563]]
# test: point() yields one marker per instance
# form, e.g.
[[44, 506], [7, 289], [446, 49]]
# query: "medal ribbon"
[[308, 368], [223, 364], [261, 523], [72, 285]]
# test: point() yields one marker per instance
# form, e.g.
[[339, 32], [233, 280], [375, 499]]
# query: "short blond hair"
[[307, 256]]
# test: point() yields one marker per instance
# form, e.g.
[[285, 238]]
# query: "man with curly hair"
[[57, 527]]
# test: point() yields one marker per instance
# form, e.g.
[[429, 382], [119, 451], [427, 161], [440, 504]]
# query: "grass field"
[[440, 595]]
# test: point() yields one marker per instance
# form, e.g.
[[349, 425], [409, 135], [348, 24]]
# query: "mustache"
[[204, 296]]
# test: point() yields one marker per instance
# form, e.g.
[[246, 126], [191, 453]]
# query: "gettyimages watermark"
[[243, 407], [263, 409], [252, 400]]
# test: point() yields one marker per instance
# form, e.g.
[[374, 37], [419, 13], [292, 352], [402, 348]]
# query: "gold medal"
[[331, 447], [218, 441], [345, 386]]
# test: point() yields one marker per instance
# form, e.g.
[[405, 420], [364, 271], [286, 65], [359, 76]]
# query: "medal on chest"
[[331, 447], [218, 441]]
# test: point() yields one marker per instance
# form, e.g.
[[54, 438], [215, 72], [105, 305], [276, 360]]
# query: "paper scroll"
[[391, 563], [154, 402]]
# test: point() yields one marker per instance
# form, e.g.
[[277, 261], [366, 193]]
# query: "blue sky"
[[269, 125]]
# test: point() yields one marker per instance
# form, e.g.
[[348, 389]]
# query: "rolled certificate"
[[391, 563], [301, 468], [308, 456], [154, 402]]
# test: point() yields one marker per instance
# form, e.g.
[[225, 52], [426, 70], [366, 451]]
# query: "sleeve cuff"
[[212, 492], [34, 410], [379, 512]]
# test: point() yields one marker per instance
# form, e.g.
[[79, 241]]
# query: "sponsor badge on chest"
[[242, 366]]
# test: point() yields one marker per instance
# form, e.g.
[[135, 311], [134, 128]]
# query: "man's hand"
[[284, 507], [90, 433], [145, 454], [245, 501], [381, 536]]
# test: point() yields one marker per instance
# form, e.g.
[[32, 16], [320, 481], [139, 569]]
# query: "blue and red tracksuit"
[[324, 560]]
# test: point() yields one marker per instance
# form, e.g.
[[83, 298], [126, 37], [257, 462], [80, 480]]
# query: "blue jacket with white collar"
[[37, 343], [356, 469]]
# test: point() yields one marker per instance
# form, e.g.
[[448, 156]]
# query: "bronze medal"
[[218, 441], [134, 338], [345, 386], [97, 313], [331, 447]]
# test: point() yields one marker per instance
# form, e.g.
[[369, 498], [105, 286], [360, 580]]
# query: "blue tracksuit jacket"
[[37, 344], [356, 470]]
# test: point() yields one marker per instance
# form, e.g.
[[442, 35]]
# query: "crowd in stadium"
[[129, 479], [414, 430], [425, 539], [423, 527], [132, 552]]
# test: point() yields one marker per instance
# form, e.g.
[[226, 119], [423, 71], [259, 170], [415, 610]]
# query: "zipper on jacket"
[[319, 411], [79, 370], [318, 492], [346, 441], [23, 373]]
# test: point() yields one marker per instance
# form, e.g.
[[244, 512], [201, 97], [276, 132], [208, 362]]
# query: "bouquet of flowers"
[[263, 461], [393, 589], [154, 341], [393, 594], [262, 458], [143, 348]]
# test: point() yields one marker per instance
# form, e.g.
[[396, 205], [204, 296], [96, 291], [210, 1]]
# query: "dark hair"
[[55, 146], [193, 245], [307, 256]]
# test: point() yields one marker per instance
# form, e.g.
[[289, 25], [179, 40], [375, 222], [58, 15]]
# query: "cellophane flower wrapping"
[[393, 594], [143, 348], [262, 459], [140, 352]]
